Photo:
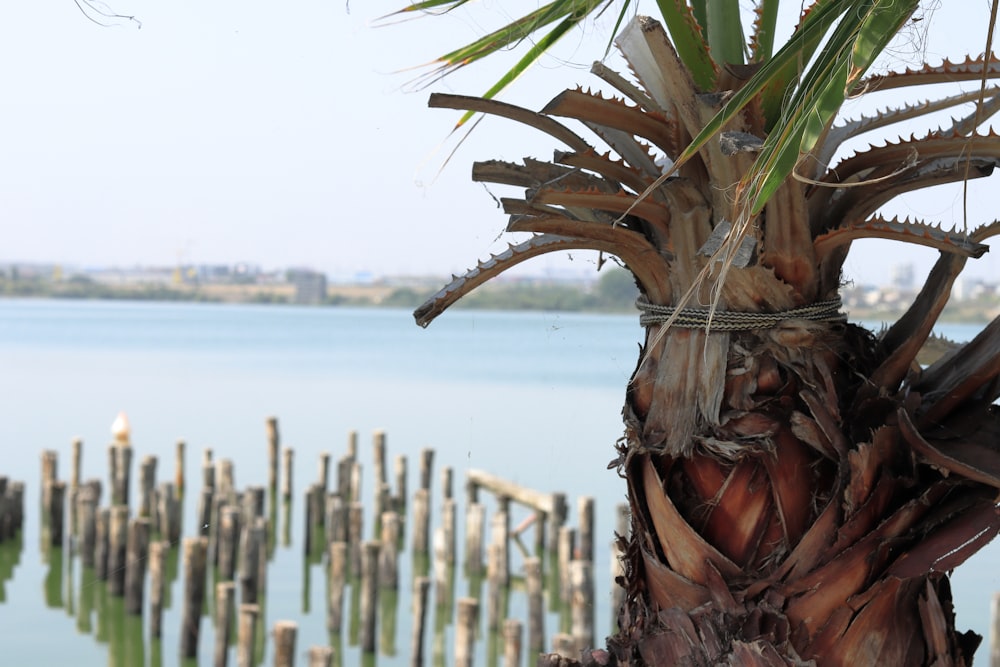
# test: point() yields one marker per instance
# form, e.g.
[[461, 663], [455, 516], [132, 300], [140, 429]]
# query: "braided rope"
[[704, 318]]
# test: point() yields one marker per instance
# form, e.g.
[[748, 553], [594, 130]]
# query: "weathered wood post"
[[179, 467], [124, 479], [557, 519], [225, 598], [50, 474], [378, 445], [320, 656], [475, 520], [157, 564], [465, 631], [355, 535], [136, 556], [228, 537], [147, 482], [512, 635], [286, 480], [75, 458], [117, 542], [426, 467], [500, 530], [57, 507], [448, 524], [337, 575], [536, 605], [421, 522], [252, 544], [585, 536], [581, 581], [447, 475], [87, 515], [246, 637], [369, 596], [195, 549], [388, 576], [101, 543], [564, 551], [273, 443], [421, 585], [284, 643], [323, 478], [113, 488], [399, 470]]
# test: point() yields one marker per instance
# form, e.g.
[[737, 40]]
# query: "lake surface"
[[531, 397]]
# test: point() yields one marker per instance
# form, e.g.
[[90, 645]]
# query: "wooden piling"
[[369, 595], [344, 466], [228, 538], [157, 565], [557, 518], [57, 507], [179, 466], [513, 633], [284, 643], [475, 520], [355, 482], [426, 467], [388, 575], [253, 546], [170, 526], [117, 542], [225, 598], [323, 479], [50, 474], [75, 459], [352, 445], [286, 480], [421, 585], [448, 523], [585, 536], [399, 470], [378, 445], [564, 645], [421, 521], [447, 475], [147, 482], [442, 583], [194, 594], [536, 605], [273, 443], [320, 656], [247, 635], [581, 581], [136, 557], [355, 535], [336, 519], [564, 554], [101, 543], [465, 631], [225, 482], [124, 473], [499, 531], [494, 588], [113, 488], [87, 513], [337, 576], [205, 501]]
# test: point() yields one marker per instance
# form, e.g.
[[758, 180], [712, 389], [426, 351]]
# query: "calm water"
[[531, 397]]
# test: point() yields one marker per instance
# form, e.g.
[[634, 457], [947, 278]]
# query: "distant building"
[[902, 276], [310, 286]]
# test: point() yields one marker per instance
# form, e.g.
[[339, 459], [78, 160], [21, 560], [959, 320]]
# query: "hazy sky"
[[283, 134]]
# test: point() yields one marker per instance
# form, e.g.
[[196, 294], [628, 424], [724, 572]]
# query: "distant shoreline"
[[534, 297]]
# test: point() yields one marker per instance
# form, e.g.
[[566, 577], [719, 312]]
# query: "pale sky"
[[283, 134]]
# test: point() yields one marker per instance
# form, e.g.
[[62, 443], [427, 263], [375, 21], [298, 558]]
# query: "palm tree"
[[799, 487]]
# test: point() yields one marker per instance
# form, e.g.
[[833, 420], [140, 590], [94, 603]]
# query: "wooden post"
[[170, 528], [124, 479], [388, 575], [286, 480], [585, 536], [309, 506], [420, 587], [320, 656], [228, 536], [421, 521], [352, 444], [564, 645], [475, 519], [512, 636], [378, 444], [179, 467], [324, 471], [336, 519], [338, 574], [225, 479], [284, 643], [557, 518], [113, 488], [355, 535], [57, 506], [448, 521], [117, 541], [87, 512], [136, 555], [465, 631], [273, 443], [564, 554], [101, 543], [369, 596], [495, 586], [536, 605], [344, 467], [995, 630], [50, 474], [399, 470], [447, 475], [426, 467], [355, 482], [157, 564], [225, 598], [76, 456], [246, 637], [253, 545], [581, 575], [442, 582], [205, 501], [194, 594], [500, 530], [147, 482]]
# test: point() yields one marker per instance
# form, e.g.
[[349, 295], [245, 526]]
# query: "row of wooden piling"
[[233, 536]]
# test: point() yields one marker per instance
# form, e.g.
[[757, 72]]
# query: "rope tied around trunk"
[[721, 320]]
